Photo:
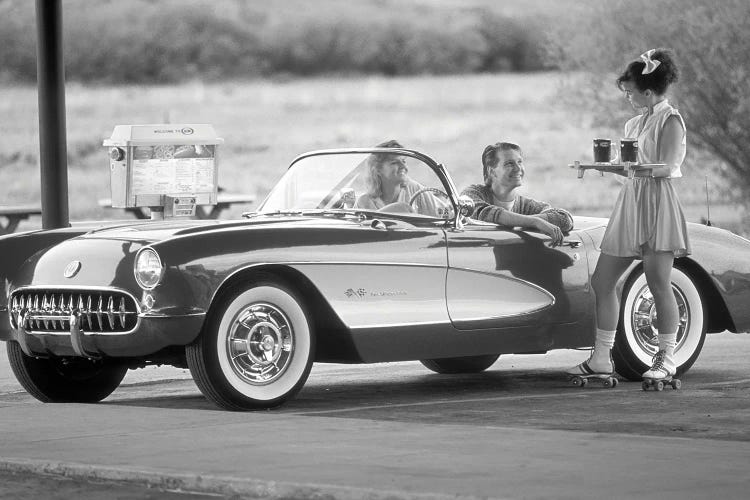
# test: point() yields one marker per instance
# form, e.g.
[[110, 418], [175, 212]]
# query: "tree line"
[[145, 41]]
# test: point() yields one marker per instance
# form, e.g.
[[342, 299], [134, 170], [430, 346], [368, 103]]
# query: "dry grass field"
[[265, 124]]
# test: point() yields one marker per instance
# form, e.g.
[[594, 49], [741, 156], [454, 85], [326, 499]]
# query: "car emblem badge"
[[72, 269]]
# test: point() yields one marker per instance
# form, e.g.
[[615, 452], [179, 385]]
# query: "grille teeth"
[[35, 309], [46, 311], [52, 308], [14, 312], [98, 313], [60, 310], [111, 313], [88, 309], [122, 312], [18, 310]]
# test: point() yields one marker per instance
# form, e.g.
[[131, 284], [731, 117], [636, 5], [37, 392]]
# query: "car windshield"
[[381, 181]]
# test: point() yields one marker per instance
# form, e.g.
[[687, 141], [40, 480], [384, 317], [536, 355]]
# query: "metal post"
[[52, 140]]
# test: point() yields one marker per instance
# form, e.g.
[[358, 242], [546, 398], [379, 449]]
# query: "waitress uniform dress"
[[647, 210]]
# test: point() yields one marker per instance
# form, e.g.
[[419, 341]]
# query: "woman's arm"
[[670, 146]]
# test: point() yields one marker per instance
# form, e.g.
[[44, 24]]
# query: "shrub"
[[512, 44], [18, 56], [155, 42], [147, 41], [713, 51]]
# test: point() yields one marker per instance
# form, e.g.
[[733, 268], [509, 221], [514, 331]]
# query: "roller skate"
[[580, 375], [661, 374]]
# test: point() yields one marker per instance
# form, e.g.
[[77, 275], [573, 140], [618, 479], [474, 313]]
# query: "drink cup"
[[602, 150], [629, 150]]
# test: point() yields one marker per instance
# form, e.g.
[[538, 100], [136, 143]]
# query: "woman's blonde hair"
[[374, 161]]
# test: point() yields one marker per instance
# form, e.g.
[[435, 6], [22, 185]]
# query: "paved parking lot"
[[517, 430]]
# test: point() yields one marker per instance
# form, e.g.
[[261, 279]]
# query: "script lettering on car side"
[[361, 293]]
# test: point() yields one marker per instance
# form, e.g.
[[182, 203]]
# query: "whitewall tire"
[[637, 335], [256, 350]]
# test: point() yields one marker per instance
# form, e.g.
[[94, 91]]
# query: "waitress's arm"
[[670, 152]]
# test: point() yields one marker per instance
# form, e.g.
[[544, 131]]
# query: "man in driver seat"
[[389, 188], [497, 200]]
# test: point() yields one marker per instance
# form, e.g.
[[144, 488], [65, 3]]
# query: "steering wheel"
[[422, 191]]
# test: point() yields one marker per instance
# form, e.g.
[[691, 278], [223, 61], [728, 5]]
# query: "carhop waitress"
[[647, 221]]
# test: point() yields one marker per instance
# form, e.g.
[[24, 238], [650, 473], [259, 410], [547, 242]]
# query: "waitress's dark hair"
[[665, 74]]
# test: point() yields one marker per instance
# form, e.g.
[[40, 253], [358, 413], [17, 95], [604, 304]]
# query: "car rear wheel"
[[256, 350], [65, 380], [466, 364], [637, 336]]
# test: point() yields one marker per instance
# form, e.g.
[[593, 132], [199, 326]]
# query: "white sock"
[[667, 342], [605, 340]]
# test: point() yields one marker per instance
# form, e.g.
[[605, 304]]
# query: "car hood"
[[588, 223], [146, 232], [106, 252]]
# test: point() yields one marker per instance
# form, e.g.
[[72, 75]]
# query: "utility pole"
[[53, 161]]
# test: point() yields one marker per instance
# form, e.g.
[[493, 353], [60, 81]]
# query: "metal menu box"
[[151, 164]]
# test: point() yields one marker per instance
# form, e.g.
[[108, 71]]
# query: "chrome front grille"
[[50, 311]]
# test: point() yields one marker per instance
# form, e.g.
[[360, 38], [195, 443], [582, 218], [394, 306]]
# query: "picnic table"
[[15, 214], [224, 200]]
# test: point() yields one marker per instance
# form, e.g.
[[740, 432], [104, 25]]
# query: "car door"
[[384, 273], [498, 277]]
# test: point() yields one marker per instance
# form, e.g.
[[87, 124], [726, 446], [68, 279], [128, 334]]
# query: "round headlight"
[[148, 269]]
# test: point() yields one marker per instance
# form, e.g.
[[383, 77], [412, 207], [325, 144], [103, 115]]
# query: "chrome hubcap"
[[260, 343], [643, 320]]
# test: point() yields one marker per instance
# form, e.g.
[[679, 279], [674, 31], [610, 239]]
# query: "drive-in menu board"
[[173, 169]]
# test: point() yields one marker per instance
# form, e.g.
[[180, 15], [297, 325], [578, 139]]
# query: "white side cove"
[[477, 296], [381, 295]]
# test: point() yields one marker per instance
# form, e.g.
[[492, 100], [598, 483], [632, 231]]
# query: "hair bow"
[[651, 64]]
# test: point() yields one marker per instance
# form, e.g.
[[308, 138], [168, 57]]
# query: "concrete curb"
[[221, 485]]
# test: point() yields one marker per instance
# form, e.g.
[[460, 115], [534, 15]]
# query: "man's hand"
[[550, 230]]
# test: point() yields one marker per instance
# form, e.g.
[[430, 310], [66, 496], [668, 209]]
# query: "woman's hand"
[[550, 230]]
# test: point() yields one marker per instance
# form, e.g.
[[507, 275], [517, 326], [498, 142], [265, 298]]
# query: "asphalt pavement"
[[398, 431]]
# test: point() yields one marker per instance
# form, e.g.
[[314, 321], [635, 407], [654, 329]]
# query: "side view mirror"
[[465, 205]]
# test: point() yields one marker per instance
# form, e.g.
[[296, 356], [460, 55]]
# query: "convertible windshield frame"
[[437, 168]]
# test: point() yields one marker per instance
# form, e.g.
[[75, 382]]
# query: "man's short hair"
[[490, 159]]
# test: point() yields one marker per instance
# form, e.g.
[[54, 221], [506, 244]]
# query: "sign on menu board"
[[173, 169]]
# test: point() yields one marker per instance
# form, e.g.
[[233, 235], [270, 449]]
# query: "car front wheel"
[[65, 380], [256, 351], [467, 364], [637, 336]]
